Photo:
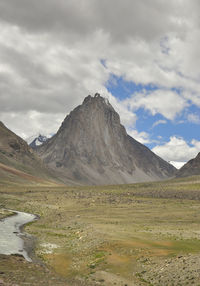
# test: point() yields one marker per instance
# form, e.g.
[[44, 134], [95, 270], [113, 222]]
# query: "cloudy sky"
[[143, 55]]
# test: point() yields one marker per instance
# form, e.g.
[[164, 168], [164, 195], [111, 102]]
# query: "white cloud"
[[142, 137], [161, 121], [177, 165], [128, 118], [192, 96], [50, 52], [27, 122], [196, 143], [177, 149], [165, 102], [194, 118]]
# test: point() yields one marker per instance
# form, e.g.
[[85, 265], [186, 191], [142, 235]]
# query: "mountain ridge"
[[92, 147], [191, 168], [18, 161]]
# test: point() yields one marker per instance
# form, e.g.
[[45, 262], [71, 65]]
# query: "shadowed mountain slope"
[[92, 147], [18, 162], [191, 168]]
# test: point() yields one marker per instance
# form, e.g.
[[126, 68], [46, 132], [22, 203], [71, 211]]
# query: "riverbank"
[[30, 241], [5, 213], [12, 238]]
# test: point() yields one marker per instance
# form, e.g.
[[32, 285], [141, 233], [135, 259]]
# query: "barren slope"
[[191, 168], [92, 147], [18, 162]]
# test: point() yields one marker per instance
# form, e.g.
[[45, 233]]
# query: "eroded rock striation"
[[92, 147]]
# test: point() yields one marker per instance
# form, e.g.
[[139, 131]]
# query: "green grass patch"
[[186, 246]]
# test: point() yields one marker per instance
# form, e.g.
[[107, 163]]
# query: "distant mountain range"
[[92, 147]]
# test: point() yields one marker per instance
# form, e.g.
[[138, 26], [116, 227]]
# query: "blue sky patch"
[[159, 128], [123, 89]]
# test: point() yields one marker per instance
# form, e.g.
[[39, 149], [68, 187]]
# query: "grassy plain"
[[137, 234]]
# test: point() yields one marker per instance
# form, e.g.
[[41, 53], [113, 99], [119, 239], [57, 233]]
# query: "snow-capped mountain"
[[37, 140]]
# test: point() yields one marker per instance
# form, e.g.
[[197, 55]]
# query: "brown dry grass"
[[114, 229]]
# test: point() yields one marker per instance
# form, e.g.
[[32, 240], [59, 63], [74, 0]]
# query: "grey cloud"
[[48, 15], [120, 19], [134, 18], [50, 53], [25, 124], [31, 86]]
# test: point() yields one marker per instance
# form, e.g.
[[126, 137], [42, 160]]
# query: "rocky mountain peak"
[[97, 98], [92, 147], [97, 101], [94, 113], [37, 140]]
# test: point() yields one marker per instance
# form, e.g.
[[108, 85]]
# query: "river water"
[[11, 241]]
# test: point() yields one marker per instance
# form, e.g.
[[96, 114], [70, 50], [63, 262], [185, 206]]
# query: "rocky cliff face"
[[191, 168], [92, 147]]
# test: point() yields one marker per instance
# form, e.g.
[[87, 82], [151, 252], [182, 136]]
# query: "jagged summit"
[[37, 140], [97, 98], [92, 147]]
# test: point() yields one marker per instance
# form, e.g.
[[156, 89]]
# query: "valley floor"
[[140, 234]]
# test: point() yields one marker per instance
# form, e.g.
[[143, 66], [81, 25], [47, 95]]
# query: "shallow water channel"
[[11, 241]]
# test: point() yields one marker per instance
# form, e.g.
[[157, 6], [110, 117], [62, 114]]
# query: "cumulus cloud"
[[127, 117], [177, 149], [165, 102], [51, 52], [27, 122], [177, 165], [142, 137], [140, 18]]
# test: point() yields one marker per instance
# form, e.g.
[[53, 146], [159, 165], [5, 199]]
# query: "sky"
[[142, 55]]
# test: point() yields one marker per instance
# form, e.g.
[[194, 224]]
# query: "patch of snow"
[[30, 139], [38, 143]]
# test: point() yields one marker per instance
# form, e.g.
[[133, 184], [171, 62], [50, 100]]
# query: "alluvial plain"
[[136, 234]]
